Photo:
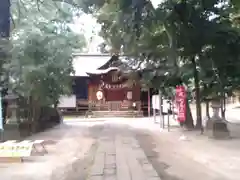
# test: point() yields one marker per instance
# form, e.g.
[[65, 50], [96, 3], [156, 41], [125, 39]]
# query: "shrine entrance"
[[117, 94], [114, 105]]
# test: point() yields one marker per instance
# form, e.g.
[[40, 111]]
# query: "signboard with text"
[[15, 149], [181, 97]]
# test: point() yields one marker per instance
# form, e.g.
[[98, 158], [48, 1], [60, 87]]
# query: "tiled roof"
[[85, 64]]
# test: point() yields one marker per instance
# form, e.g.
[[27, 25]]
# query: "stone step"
[[116, 114]]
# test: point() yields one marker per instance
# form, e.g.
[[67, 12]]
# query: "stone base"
[[217, 129], [209, 125], [11, 160], [11, 132]]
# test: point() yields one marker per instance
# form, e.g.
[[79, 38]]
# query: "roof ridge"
[[87, 54]]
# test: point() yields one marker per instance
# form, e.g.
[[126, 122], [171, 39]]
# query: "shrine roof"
[[83, 63], [88, 64], [102, 71]]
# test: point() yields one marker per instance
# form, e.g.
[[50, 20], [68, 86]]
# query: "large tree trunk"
[[197, 95], [36, 112], [173, 46], [189, 119]]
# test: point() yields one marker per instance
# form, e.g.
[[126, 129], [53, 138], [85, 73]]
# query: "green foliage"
[[171, 35], [42, 47], [38, 56], [190, 42]]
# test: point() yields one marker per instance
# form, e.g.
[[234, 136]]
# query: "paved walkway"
[[119, 157], [123, 141], [127, 149], [86, 151]]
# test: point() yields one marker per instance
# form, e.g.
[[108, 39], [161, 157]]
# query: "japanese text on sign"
[[181, 103], [113, 86], [16, 150]]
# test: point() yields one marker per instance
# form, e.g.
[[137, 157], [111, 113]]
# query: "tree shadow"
[[146, 142]]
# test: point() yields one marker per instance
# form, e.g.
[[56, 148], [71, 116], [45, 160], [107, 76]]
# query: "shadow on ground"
[[147, 143], [80, 168]]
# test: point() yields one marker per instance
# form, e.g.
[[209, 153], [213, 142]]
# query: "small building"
[[101, 84]]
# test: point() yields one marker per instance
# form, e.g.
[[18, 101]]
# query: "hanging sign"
[[181, 103], [113, 86], [99, 95]]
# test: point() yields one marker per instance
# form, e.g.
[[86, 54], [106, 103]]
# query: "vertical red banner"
[[181, 97]]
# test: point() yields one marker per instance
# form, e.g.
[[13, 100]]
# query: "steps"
[[127, 114]]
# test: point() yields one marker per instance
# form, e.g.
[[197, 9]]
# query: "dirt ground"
[[78, 143]]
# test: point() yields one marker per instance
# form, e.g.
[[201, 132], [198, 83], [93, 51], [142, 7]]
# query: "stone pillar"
[[216, 127]]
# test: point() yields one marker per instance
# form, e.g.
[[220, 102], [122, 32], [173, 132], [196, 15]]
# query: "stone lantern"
[[12, 122], [216, 127], [12, 108]]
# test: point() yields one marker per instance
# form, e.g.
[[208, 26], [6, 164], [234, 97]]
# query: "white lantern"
[[129, 95], [99, 95]]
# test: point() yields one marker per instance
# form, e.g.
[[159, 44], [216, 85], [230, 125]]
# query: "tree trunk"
[[189, 119], [197, 94], [173, 46], [36, 112], [223, 106], [4, 111]]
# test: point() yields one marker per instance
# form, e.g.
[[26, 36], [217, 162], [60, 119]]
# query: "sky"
[[87, 24]]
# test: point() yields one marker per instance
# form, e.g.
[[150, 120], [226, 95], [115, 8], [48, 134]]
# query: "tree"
[[174, 38], [41, 54], [150, 49]]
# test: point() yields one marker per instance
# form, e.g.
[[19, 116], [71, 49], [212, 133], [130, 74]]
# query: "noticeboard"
[[15, 149]]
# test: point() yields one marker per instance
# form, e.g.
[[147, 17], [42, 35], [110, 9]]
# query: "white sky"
[[87, 24]]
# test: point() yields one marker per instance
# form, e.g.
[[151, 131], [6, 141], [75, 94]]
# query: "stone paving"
[[119, 157]]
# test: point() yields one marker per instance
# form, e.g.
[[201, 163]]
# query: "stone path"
[[138, 150], [119, 157]]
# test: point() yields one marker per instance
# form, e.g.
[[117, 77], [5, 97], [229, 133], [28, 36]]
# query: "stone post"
[[216, 127]]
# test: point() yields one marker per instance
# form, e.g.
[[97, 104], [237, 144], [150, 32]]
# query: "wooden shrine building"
[[101, 85]]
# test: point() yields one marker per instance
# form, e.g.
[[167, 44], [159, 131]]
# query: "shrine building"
[[102, 84]]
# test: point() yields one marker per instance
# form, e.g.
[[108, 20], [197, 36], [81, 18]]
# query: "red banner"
[[181, 103]]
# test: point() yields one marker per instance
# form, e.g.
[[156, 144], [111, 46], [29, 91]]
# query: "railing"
[[84, 105]]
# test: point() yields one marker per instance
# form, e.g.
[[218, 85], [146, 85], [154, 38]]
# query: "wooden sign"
[[113, 86], [15, 149]]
